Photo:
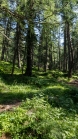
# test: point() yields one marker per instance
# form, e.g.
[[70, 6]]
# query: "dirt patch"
[[9, 107], [6, 136], [74, 83], [4, 108]]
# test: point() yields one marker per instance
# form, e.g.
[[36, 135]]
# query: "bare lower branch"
[[5, 36]]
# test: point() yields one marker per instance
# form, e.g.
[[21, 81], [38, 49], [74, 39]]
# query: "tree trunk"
[[5, 45], [45, 57], [50, 58], [65, 40], [17, 48], [69, 52], [3, 50], [59, 50], [29, 52], [14, 59], [18, 36]]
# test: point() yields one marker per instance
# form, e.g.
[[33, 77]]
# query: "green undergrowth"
[[37, 119], [48, 109]]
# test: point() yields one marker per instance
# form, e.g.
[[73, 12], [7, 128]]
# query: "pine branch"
[[4, 34], [14, 14]]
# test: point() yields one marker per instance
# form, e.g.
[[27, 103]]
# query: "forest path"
[[5, 107], [74, 83], [8, 107]]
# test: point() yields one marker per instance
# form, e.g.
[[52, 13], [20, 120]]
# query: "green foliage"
[[48, 109], [37, 119]]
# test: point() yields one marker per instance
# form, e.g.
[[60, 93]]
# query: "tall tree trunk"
[[29, 51], [65, 49], [17, 48], [59, 50], [30, 37], [39, 56], [50, 58], [45, 57], [69, 52], [14, 59], [3, 49], [18, 36], [5, 45]]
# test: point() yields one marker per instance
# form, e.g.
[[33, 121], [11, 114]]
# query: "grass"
[[48, 110]]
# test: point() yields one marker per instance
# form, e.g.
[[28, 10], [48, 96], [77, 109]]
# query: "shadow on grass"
[[22, 79], [66, 98], [12, 98], [12, 79], [57, 97]]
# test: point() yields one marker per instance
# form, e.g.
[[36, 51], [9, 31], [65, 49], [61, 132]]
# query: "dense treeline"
[[39, 33]]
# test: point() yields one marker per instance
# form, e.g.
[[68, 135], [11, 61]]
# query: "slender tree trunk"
[[14, 59], [5, 45], [39, 56], [50, 58], [29, 52], [59, 50], [3, 49], [76, 59], [18, 36], [24, 59], [65, 50], [17, 48], [8, 35], [69, 52], [45, 57]]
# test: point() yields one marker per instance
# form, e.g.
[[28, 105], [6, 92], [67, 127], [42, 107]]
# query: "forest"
[[38, 69]]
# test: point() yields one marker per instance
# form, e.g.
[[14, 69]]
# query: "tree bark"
[[65, 49], [45, 57], [29, 52], [69, 52]]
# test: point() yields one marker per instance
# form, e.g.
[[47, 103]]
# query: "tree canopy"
[[39, 33]]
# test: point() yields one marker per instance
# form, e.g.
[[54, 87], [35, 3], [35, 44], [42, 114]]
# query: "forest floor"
[[5, 136], [10, 107], [5, 107], [31, 105], [74, 83]]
